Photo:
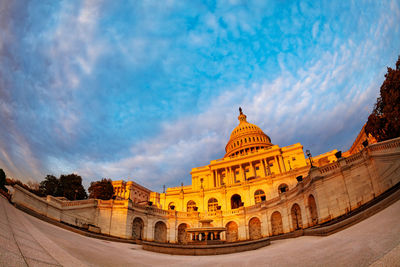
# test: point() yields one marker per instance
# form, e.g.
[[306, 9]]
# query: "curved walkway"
[[28, 241]]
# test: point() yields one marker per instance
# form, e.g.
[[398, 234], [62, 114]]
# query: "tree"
[[49, 186], [384, 121], [2, 179], [70, 186], [101, 189]]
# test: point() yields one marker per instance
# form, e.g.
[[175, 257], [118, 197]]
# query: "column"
[[215, 182], [253, 168], [282, 163], [263, 167], [242, 170], [277, 162], [268, 168]]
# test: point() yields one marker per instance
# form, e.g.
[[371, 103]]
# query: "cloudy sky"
[[147, 90]]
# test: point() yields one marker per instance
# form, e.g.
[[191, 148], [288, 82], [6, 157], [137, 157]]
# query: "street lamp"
[[308, 153]]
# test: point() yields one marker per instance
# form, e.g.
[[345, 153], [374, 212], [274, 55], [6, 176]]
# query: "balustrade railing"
[[389, 144], [329, 167]]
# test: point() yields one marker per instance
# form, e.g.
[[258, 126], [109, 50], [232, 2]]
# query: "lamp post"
[[308, 153]]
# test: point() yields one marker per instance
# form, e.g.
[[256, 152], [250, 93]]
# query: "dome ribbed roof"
[[246, 136]]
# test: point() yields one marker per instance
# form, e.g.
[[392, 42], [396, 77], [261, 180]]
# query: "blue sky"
[[147, 90]]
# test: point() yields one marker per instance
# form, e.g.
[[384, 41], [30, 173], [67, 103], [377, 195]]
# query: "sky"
[[148, 90]]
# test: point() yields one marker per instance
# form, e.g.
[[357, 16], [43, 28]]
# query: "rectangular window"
[[237, 172], [257, 168]]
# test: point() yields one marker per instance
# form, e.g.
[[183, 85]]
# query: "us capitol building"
[[256, 190]]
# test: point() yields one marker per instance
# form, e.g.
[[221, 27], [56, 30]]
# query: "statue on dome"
[[240, 110]]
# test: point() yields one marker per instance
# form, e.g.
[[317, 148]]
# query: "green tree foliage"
[[384, 121], [49, 185], [70, 186], [101, 189]]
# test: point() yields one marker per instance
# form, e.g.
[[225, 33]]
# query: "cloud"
[[147, 91]]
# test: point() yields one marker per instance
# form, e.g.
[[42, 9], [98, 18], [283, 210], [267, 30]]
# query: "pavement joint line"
[[59, 255], [12, 232], [40, 249], [46, 262]]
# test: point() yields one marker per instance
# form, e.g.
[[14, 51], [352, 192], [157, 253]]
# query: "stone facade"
[[131, 190], [253, 170], [325, 193]]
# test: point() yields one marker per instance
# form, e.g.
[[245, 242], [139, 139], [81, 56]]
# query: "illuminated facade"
[[253, 170], [257, 190]]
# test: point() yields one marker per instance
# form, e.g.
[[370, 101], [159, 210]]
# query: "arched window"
[[171, 206], [283, 188], [212, 204], [191, 205], [236, 201], [259, 196]]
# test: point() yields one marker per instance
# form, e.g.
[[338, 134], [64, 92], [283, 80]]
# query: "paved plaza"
[[28, 241]]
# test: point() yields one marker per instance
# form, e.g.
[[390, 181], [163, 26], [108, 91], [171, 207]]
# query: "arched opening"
[[282, 188], [191, 206], [312, 207], [236, 201], [171, 206], [231, 232], [255, 228], [296, 217], [259, 196], [212, 204], [137, 228], [276, 223], [160, 232], [183, 237]]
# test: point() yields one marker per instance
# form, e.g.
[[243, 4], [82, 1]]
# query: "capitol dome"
[[246, 137]]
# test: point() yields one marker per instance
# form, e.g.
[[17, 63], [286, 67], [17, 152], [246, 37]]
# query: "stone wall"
[[325, 193]]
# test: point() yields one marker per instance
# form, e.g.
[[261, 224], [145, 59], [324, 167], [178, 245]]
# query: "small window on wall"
[[293, 158], [212, 204], [283, 188], [171, 206], [237, 172], [257, 168], [191, 206], [259, 196], [247, 170]]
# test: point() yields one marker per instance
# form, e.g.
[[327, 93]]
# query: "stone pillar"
[[243, 173], [226, 178], [277, 163], [269, 170], [263, 167], [264, 225], [283, 168], [253, 168]]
